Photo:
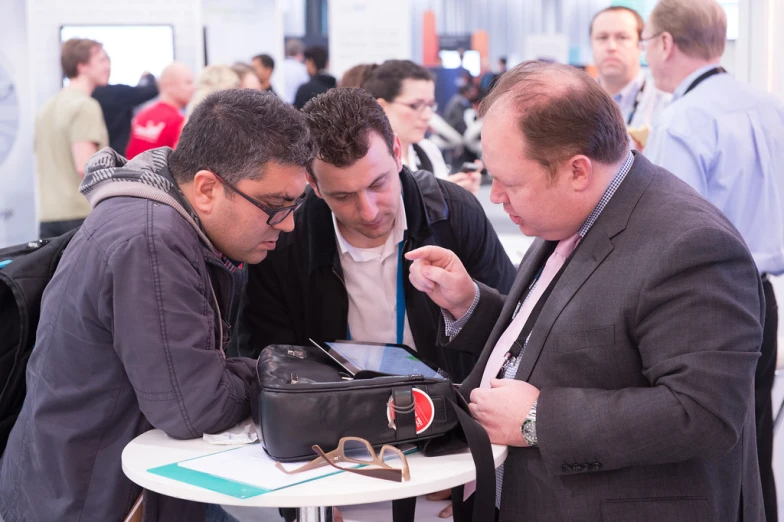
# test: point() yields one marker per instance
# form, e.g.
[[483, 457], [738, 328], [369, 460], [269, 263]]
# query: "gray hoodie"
[[128, 340]]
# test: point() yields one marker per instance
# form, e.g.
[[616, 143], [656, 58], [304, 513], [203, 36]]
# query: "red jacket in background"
[[158, 125]]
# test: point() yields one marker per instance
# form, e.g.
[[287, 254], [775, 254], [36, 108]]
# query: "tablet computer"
[[395, 359]]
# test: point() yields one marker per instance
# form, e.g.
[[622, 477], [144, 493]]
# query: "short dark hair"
[[340, 123], [619, 8], [386, 81], [74, 52], [265, 60], [236, 132], [561, 121], [319, 55]]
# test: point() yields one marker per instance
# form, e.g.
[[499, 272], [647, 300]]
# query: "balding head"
[[561, 113], [176, 84], [553, 140]]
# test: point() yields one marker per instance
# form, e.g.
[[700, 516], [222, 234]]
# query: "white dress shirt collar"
[[361, 255]]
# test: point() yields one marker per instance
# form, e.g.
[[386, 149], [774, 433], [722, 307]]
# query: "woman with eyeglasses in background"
[[406, 91]]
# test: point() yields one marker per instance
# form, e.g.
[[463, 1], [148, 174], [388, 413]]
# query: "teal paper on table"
[[207, 481], [242, 472]]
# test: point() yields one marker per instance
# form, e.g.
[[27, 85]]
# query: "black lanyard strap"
[[636, 102], [703, 77]]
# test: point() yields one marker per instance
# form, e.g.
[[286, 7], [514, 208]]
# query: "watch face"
[[529, 432], [9, 111]]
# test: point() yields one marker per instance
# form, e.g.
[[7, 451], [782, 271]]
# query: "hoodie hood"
[[146, 176]]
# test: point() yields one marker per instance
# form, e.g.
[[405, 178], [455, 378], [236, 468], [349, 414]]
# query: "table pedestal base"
[[315, 514]]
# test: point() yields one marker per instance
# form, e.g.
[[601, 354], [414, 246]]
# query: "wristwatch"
[[529, 426]]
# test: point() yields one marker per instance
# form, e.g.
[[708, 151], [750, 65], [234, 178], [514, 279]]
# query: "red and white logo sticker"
[[424, 411]]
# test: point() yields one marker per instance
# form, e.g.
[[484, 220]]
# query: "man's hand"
[[440, 496], [440, 274], [471, 181], [501, 410]]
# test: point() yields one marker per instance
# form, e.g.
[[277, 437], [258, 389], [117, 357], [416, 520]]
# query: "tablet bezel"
[[351, 367]]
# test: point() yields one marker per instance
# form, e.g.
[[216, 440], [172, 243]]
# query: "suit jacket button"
[[597, 466], [580, 468], [566, 468]]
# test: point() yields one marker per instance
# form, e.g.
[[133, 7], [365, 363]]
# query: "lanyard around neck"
[[636, 103], [400, 300], [704, 76]]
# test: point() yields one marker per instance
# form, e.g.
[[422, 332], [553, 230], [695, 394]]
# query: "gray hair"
[[235, 133], [698, 27], [294, 47]]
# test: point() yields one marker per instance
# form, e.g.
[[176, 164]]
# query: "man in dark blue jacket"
[[340, 274], [136, 319]]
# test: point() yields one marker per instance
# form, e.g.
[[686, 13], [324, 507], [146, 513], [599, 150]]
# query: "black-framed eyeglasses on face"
[[276, 214]]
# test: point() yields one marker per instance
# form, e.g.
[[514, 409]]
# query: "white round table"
[[428, 475]]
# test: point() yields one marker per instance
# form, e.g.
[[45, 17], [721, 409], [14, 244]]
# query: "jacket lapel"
[[587, 258], [591, 252]]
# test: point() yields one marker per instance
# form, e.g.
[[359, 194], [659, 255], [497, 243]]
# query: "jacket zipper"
[[231, 299]]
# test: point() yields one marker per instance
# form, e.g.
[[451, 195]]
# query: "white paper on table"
[[251, 465]]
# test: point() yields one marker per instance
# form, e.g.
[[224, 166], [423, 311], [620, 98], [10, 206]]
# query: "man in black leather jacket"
[[336, 276]]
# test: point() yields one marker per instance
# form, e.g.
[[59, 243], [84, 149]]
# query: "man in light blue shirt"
[[726, 140], [615, 41], [294, 71]]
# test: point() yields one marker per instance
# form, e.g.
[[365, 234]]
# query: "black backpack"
[[25, 270]]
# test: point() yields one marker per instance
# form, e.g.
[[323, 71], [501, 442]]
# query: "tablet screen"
[[383, 358]]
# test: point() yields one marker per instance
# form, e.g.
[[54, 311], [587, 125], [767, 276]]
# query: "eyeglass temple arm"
[[322, 460], [395, 475]]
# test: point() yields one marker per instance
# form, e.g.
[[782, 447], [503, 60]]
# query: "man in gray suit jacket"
[[620, 368]]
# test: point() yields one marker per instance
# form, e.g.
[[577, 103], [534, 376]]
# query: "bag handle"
[[403, 510]]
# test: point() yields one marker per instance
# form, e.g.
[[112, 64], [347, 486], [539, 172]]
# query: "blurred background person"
[[118, 103], [462, 101], [616, 34], [356, 76], [488, 79], [725, 139], [69, 129], [159, 125], [294, 71], [406, 91], [247, 75], [316, 62], [264, 65], [213, 78]]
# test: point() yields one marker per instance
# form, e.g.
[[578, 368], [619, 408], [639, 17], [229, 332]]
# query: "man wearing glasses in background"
[[616, 41], [725, 139], [135, 321]]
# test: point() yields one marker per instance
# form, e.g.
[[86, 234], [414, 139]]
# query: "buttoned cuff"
[[452, 327]]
